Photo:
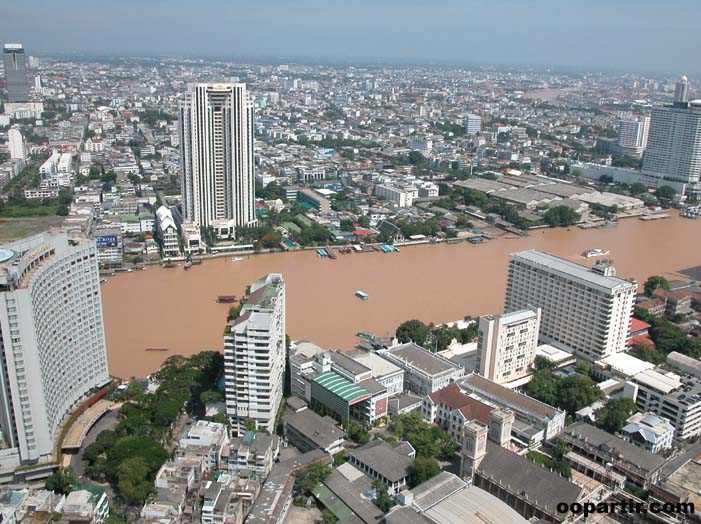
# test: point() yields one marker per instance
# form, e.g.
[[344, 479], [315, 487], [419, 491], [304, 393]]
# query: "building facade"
[[216, 148], [15, 63], [254, 356], [52, 340], [15, 144], [473, 124], [167, 232], [674, 145], [585, 310], [508, 345]]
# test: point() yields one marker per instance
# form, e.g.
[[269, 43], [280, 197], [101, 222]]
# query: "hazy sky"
[[629, 35]]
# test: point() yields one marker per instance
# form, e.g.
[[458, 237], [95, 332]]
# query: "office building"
[[398, 196], [216, 152], [584, 310], [674, 145], [15, 144], [254, 356], [473, 124], [52, 340], [666, 394], [15, 63], [508, 345]]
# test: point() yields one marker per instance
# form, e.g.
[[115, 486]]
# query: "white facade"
[[50, 167], [52, 338], [167, 232], [473, 124], [674, 144], [15, 145], [398, 196], [216, 146], [508, 345], [254, 356], [668, 395], [585, 310], [648, 431]]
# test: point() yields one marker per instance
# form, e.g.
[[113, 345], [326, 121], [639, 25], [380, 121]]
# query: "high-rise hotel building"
[[254, 356], [674, 144], [52, 340], [216, 157], [584, 310]]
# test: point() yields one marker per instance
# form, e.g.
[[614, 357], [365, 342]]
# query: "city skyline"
[[595, 36]]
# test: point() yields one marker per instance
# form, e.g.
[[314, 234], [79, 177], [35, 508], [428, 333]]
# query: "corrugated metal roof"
[[339, 386]]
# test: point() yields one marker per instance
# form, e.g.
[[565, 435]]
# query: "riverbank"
[[177, 309]]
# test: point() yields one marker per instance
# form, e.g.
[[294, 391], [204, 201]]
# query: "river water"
[[177, 309]]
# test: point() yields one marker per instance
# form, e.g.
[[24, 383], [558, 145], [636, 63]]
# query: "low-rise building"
[[424, 372], [306, 430], [383, 371], [639, 466], [86, 504], [390, 465], [648, 431], [204, 440], [253, 455]]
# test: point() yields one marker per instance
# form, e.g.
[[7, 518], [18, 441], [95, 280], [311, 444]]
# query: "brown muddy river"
[[177, 309]]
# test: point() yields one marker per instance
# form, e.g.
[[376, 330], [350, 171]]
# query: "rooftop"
[[340, 386], [415, 356], [520, 476], [571, 270], [323, 431], [385, 459], [379, 366]]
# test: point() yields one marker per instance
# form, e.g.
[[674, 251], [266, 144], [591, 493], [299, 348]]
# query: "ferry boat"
[[103, 280], [188, 264], [169, 264], [330, 252], [156, 349], [361, 295], [596, 253], [226, 299], [237, 259]]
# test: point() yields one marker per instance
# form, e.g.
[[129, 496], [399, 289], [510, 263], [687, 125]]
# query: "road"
[[108, 421]]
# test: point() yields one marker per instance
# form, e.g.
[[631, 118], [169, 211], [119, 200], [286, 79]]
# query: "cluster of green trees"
[[555, 461], [308, 478], [129, 456], [561, 216], [18, 206], [613, 415], [667, 338], [472, 197], [427, 227], [428, 441], [435, 338], [356, 431], [567, 393]]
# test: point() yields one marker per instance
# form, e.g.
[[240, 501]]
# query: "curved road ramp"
[[79, 429]]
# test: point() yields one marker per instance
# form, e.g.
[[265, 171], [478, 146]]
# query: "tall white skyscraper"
[[254, 356], [674, 145], [633, 135], [681, 90], [508, 345], [52, 340], [15, 144], [473, 124], [216, 146], [585, 310]]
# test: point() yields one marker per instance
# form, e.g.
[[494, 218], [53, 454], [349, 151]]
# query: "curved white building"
[[52, 340]]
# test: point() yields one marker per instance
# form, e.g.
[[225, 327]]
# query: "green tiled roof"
[[339, 386]]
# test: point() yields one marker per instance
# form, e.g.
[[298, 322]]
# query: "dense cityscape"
[[577, 401]]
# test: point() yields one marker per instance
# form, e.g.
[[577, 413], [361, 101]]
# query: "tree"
[[412, 331], [416, 158], [61, 481], [133, 481], [249, 425], [327, 517], [665, 192], [356, 431], [306, 479], [382, 499], [576, 392], [561, 216], [638, 188], [654, 282], [424, 469], [613, 415]]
